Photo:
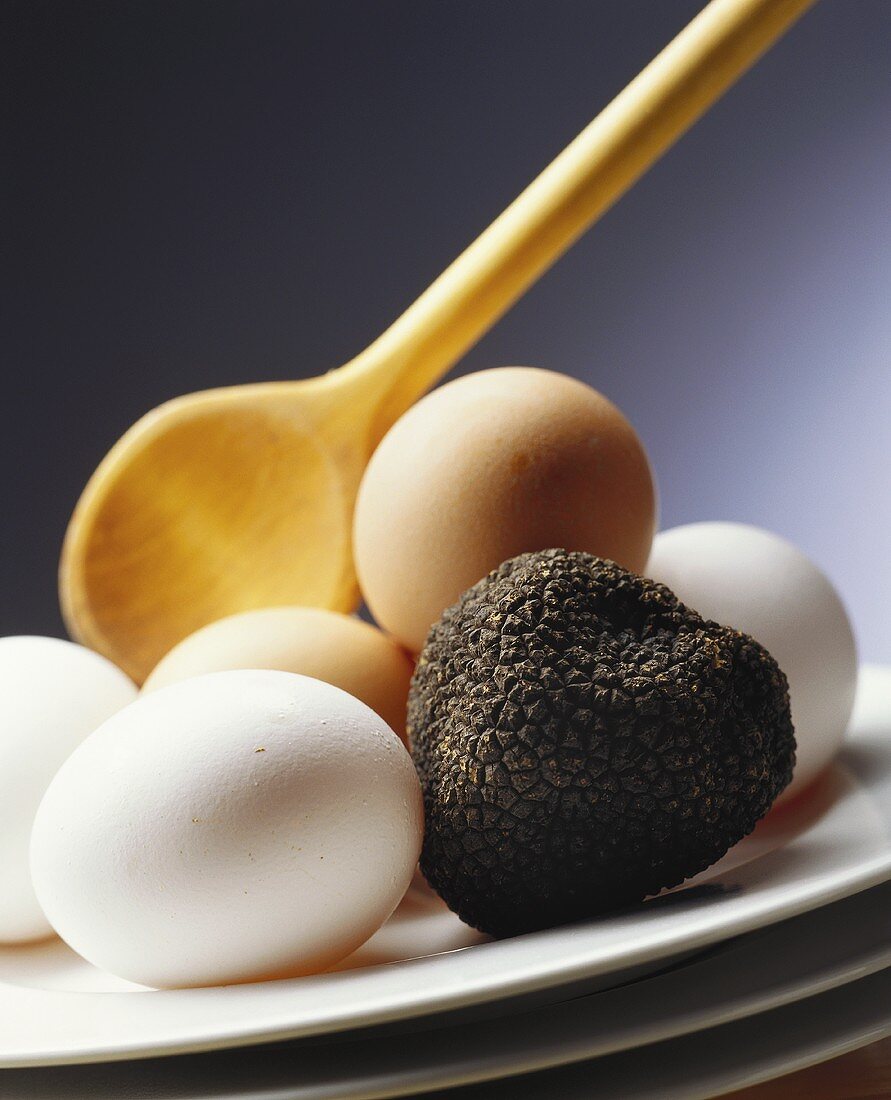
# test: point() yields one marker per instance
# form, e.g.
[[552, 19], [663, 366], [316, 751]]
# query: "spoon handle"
[[614, 150]]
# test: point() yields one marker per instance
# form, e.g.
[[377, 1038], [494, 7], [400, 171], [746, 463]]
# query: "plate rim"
[[703, 996]]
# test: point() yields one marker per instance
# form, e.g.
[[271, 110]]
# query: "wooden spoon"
[[242, 497]]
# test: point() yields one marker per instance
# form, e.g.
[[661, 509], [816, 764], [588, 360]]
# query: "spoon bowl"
[[176, 527]]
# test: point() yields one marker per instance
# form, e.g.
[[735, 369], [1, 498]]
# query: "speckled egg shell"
[[52, 695], [339, 649], [489, 466], [233, 827]]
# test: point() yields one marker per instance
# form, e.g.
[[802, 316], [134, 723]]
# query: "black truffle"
[[584, 740]]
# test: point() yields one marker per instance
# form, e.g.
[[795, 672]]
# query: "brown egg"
[[326, 645], [487, 467]]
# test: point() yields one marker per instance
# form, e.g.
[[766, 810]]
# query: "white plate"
[[712, 1063], [57, 1009], [759, 972]]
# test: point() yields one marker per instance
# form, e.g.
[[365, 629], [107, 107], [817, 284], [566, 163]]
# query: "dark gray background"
[[197, 193]]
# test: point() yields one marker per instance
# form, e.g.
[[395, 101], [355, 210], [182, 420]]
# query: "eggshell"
[[326, 645], [236, 826], [487, 467], [52, 695], [763, 585]]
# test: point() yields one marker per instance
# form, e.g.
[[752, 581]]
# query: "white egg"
[[761, 584], [52, 695], [233, 827]]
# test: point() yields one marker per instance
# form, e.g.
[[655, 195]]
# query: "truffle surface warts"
[[585, 740]]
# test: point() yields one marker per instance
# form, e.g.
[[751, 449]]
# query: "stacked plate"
[[777, 957]]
